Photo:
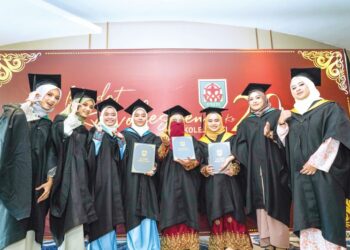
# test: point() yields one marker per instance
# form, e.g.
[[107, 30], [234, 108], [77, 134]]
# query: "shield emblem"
[[212, 93]]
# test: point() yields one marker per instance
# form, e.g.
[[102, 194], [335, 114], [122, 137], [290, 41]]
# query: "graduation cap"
[[314, 74], [80, 93], [37, 80], [256, 86], [138, 104], [177, 110], [212, 110], [108, 102]]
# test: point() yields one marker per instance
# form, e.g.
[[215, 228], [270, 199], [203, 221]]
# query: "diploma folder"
[[183, 148], [218, 152], [143, 158]]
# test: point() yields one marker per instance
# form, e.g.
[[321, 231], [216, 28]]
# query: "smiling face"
[[299, 88], [213, 121], [140, 117], [109, 116], [86, 108], [256, 100], [51, 99]]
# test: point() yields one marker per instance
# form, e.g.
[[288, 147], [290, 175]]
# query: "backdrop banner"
[[193, 78]]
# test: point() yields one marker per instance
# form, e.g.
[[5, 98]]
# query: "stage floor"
[[294, 242]]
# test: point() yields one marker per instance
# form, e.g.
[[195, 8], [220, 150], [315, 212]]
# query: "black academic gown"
[[40, 139], [140, 193], [223, 193], [15, 175], [179, 191], [264, 166], [319, 199], [105, 185], [71, 202]]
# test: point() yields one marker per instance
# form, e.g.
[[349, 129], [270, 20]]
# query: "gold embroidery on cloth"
[[347, 213], [235, 241], [189, 241]]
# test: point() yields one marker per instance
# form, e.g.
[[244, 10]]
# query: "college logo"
[[212, 93]]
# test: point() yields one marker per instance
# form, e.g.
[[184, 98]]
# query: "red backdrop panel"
[[168, 77]]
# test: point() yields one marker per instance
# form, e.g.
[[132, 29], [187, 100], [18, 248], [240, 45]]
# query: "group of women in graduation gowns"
[[277, 156]]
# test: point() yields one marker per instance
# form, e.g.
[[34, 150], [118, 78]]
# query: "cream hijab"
[[140, 130], [36, 111], [303, 105], [108, 129]]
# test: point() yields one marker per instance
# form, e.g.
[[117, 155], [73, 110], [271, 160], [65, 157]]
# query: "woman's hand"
[[165, 139], [308, 169], [184, 162], [188, 163], [119, 135], [153, 171], [75, 107], [47, 189], [207, 170], [97, 126], [229, 159], [267, 131], [232, 169], [285, 114]]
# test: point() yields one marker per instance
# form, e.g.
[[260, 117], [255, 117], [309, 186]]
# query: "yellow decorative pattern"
[[188, 241], [12, 63], [229, 240], [347, 213], [332, 62]]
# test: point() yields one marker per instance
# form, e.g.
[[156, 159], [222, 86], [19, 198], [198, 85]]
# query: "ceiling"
[[326, 21]]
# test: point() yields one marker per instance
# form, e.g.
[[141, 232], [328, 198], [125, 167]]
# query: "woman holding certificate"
[[264, 165], [222, 189], [139, 187], [71, 202], [179, 184], [104, 171]]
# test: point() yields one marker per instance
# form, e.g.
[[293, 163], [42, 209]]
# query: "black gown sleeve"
[[239, 146], [15, 163]]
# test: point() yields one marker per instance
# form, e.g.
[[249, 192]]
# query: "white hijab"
[[44, 89], [140, 130], [303, 105], [108, 129], [36, 111]]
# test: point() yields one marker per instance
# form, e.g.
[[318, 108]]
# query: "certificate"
[[218, 152], [143, 158], [183, 147]]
